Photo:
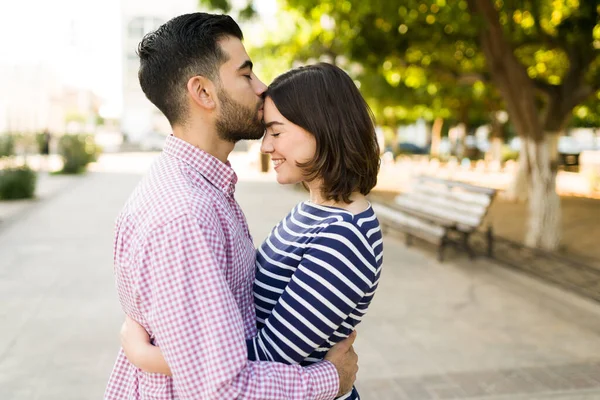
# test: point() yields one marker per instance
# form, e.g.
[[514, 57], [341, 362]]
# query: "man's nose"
[[259, 87]]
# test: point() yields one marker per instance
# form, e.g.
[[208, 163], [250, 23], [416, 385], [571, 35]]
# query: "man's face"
[[240, 95]]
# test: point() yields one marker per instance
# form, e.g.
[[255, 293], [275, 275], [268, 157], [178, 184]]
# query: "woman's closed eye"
[[274, 134]]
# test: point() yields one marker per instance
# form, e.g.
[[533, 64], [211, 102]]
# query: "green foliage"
[[423, 59], [77, 152], [402, 78], [244, 11], [509, 154], [220, 5], [17, 183], [587, 115], [7, 145], [40, 141]]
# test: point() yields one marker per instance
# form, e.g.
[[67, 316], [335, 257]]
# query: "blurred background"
[[496, 94]]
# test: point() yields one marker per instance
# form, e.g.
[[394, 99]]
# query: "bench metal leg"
[[466, 245], [490, 242], [408, 240], [440, 250]]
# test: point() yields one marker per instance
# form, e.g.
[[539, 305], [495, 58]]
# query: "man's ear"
[[202, 91]]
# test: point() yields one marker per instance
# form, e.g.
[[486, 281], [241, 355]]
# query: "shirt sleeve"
[[336, 272], [195, 320]]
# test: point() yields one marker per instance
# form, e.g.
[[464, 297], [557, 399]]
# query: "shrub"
[[42, 142], [473, 153], [77, 152], [17, 183], [7, 146], [509, 154]]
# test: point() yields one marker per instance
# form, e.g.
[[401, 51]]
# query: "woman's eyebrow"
[[271, 123]]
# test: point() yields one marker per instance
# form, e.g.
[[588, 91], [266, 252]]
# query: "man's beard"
[[237, 122]]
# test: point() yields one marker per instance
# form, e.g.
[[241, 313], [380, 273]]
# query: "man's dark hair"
[[324, 100], [183, 47]]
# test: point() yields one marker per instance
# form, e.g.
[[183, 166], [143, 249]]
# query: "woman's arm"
[[139, 351]]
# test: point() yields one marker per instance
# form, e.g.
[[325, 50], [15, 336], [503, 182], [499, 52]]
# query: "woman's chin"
[[285, 180], [281, 180]]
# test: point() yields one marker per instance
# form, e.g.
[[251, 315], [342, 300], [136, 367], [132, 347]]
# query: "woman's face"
[[287, 144]]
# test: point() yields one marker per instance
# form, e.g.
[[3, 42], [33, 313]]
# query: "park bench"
[[439, 211]]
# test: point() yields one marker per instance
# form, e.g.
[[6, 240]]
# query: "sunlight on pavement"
[[245, 164]]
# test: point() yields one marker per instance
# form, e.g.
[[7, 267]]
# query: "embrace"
[[208, 316]]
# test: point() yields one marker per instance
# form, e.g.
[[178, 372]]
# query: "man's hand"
[[345, 360]]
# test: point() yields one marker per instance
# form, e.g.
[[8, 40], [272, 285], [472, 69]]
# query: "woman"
[[319, 268]]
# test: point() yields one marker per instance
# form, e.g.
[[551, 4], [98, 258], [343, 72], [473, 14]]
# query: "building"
[[31, 100], [140, 116]]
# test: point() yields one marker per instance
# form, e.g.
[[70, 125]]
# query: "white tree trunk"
[[436, 137], [545, 222], [496, 149], [519, 187], [456, 135]]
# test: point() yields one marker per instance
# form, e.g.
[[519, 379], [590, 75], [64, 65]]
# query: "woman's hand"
[[138, 349]]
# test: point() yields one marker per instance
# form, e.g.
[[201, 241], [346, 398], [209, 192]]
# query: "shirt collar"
[[219, 174]]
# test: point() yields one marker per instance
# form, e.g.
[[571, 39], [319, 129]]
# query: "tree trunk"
[[519, 187], [544, 203], [496, 149], [457, 135], [517, 90], [436, 137], [496, 138]]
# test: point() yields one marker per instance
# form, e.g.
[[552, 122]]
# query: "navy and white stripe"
[[316, 275]]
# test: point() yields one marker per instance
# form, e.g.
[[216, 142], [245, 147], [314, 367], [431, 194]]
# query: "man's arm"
[[149, 358], [197, 323]]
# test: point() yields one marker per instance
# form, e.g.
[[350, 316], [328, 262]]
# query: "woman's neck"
[[358, 202]]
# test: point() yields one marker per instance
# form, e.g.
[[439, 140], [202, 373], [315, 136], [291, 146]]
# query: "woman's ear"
[[202, 91]]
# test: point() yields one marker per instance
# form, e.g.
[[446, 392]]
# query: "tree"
[[563, 32], [400, 88], [542, 56]]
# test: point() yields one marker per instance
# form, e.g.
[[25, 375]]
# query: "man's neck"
[[206, 139]]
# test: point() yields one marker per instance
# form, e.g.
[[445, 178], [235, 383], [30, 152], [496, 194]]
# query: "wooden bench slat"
[[434, 210], [426, 217], [474, 210], [414, 226], [456, 184], [474, 198]]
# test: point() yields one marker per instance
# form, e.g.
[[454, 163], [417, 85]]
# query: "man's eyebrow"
[[246, 64], [271, 123]]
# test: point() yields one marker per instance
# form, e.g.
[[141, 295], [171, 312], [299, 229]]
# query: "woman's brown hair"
[[323, 100]]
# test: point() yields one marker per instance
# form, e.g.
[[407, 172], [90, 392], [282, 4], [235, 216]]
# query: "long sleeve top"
[[316, 275]]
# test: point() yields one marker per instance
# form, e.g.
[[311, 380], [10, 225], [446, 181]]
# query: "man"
[[184, 258]]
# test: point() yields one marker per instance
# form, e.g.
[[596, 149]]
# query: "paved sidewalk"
[[46, 187], [463, 330]]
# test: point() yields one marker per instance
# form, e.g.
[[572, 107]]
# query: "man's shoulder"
[[166, 194]]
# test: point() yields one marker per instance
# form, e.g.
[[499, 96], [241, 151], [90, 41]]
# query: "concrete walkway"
[[458, 330]]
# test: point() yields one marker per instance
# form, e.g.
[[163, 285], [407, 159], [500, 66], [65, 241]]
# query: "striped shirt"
[[316, 275]]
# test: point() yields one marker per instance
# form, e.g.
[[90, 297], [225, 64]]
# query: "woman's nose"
[[266, 146]]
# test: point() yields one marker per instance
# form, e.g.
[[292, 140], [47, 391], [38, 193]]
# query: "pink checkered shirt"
[[184, 265]]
